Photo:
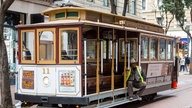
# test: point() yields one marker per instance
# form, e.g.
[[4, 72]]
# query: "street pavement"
[[183, 79]]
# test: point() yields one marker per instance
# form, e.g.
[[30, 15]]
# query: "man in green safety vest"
[[135, 78]]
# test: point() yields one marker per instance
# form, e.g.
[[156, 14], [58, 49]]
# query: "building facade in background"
[[21, 12], [151, 13], [134, 7]]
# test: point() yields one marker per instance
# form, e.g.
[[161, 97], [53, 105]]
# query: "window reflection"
[[133, 48], [122, 51], [144, 48], [162, 49], [46, 45], [69, 44], [28, 45], [169, 50], [91, 49], [153, 48], [110, 49]]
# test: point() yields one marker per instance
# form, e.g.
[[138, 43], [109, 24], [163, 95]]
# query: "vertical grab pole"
[[116, 56], [113, 61], [102, 57], [85, 64], [97, 70], [112, 67], [128, 50], [174, 50], [125, 59], [139, 57]]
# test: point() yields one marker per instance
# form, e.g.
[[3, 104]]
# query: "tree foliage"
[[6, 100], [168, 7], [188, 4], [180, 16], [177, 10]]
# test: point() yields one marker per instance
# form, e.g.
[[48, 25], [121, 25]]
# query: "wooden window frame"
[[21, 49], [167, 49], [38, 46], [137, 48], [78, 47], [93, 60], [120, 48], [159, 50], [148, 48], [153, 37]]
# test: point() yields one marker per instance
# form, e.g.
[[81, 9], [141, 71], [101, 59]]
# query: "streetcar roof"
[[59, 9], [77, 22]]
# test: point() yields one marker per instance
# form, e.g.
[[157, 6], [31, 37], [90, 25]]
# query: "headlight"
[[46, 80]]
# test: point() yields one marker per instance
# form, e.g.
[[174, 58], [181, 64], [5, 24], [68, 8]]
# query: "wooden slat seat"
[[107, 68], [91, 69], [105, 83]]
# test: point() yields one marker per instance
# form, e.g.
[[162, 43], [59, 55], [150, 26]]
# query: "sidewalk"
[[184, 78], [184, 73]]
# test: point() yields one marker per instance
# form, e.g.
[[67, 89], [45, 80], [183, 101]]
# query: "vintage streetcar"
[[80, 57]]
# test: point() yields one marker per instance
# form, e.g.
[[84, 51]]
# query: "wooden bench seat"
[[91, 69], [104, 83]]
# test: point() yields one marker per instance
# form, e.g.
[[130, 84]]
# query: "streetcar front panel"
[[50, 80]]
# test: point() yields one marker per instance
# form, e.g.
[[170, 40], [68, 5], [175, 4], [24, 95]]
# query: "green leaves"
[[177, 9], [168, 6], [188, 3]]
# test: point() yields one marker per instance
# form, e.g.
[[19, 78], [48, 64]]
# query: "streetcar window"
[[104, 49], [144, 47], [91, 49], [133, 49], [153, 48], [110, 50], [60, 15], [122, 49], [169, 50], [162, 49], [69, 44], [46, 45], [27, 46], [72, 14]]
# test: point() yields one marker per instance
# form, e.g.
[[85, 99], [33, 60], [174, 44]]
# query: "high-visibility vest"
[[139, 72]]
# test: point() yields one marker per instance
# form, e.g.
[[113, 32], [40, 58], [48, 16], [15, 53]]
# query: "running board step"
[[116, 103], [109, 104]]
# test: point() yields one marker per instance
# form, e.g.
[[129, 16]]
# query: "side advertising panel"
[[155, 70], [27, 80], [69, 81]]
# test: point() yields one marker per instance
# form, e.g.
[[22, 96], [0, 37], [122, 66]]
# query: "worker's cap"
[[133, 60]]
